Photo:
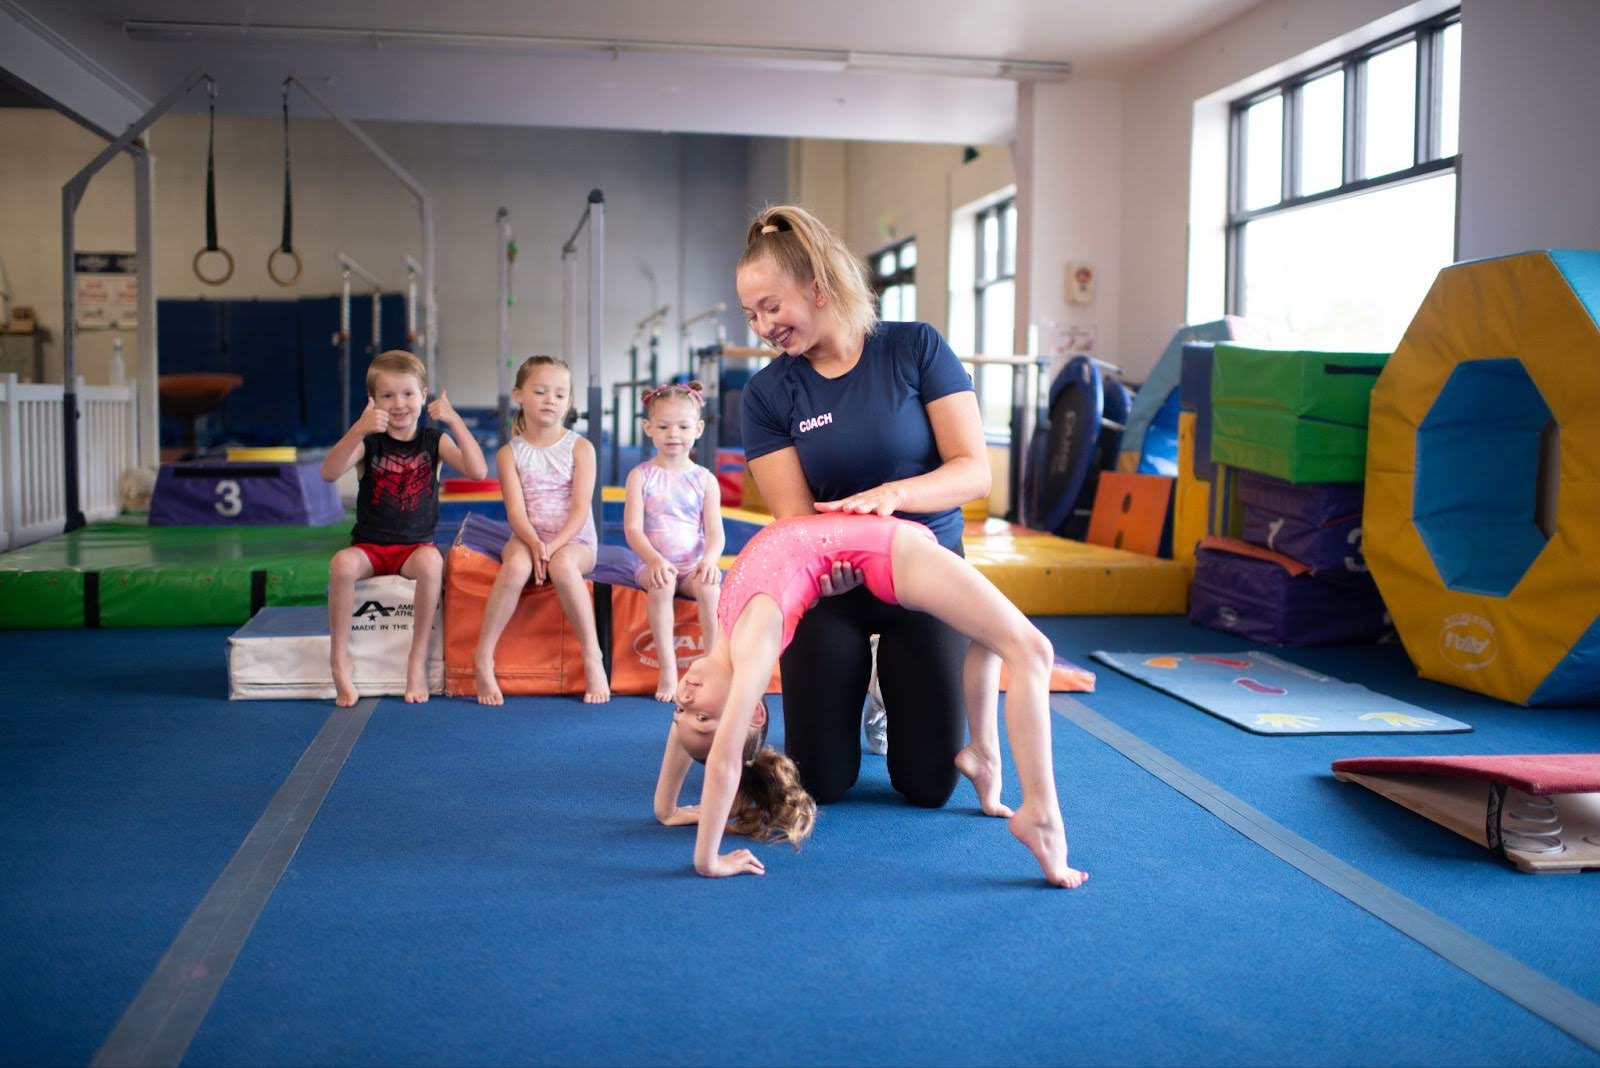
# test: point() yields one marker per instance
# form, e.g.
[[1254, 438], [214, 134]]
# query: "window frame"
[[902, 275], [1426, 140], [997, 210]]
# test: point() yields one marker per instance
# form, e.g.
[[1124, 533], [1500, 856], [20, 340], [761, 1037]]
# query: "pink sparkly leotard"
[[787, 557], [674, 514]]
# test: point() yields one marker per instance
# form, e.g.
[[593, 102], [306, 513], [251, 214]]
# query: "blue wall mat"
[[263, 345], [1266, 695], [319, 370], [319, 358], [192, 342]]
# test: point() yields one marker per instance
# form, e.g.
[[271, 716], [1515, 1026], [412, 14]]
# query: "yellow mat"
[[1048, 576]]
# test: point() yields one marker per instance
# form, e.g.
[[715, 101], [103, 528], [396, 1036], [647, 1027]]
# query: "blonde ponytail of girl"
[[770, 804], [807, 251]]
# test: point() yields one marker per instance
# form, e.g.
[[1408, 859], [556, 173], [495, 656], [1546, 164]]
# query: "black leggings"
[[825, 674]]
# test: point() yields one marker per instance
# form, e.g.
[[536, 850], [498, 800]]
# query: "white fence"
[[33, 462]]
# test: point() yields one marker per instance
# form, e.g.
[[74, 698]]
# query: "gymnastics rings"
[[272, 270], [227, 265]]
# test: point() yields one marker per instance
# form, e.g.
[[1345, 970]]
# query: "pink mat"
[[1532, 773]]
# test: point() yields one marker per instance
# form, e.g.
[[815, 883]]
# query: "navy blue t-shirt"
[[866, 427]]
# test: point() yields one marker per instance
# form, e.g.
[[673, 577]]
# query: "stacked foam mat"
[[1283, 563], [282, 653]]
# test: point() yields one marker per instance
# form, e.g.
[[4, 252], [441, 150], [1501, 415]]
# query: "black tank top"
[[398, 500]]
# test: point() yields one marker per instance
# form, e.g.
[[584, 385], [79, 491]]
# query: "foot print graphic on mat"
[[1225, 661], [1260, 687], [1168, 662], [1287, 721], [1399, 719]]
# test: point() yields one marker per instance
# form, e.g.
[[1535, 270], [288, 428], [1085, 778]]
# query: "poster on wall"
[[106, 286]]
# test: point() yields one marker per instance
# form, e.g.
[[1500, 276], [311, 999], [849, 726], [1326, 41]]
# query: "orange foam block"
[[539, 653]]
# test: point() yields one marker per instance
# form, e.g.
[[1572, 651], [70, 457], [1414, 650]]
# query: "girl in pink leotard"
[[672, 517], [720, 720]]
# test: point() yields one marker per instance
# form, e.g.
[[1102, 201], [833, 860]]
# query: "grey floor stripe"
[[1533, 990], [158, 1027]]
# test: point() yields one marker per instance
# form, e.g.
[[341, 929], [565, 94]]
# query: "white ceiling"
[[500, 82]]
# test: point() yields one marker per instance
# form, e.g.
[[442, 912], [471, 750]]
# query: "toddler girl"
[[672, 517]]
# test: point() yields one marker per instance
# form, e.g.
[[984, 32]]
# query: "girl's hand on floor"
[[739, 862], [682, 816]]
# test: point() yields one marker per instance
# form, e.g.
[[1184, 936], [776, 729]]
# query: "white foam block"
[[283, 651]]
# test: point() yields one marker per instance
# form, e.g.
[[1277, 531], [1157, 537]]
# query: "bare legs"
[[662, 614], [344, 570], [565, 572], [568, 565], [935, 580], [980, 760], [516, 565], [425, 567]]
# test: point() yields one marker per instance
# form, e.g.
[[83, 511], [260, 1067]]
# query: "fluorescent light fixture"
[[811, 59]]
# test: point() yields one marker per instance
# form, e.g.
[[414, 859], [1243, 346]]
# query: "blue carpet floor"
[[1550, 922], [127, 781], [488, 886]]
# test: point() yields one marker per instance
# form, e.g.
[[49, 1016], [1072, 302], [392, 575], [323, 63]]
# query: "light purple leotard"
[[674, 505]]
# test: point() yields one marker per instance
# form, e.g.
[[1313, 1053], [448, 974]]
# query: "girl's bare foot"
[[1042, 832], [984, 771], [417, 683], [667, 685], [345, 693], [487, 685], [596, 687]]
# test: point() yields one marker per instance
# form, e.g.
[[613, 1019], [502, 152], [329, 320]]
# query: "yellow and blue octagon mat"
[[1266, 695]]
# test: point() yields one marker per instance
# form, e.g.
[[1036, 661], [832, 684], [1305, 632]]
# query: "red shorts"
[[388, 559]]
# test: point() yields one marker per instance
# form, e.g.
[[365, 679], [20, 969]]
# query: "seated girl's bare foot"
[[596, 688], [667, 685], [345, 693], [1042, 832], [487, 685], [984, 771], [416, 683]]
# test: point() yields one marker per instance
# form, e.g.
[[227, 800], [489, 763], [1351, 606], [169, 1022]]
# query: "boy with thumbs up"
[[397, 506]]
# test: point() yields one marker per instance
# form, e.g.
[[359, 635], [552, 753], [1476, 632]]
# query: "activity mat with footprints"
[[1266, 695]]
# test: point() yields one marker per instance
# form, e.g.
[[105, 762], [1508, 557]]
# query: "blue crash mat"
[[1266, 695]]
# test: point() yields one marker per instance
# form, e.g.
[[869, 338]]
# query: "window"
[[1342, 191], [995, 306], [894, 277]]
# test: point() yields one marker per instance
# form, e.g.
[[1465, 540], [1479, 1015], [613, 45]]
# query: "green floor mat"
[[126, 574]]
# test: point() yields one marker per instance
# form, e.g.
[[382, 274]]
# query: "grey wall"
[[676, 206], [1530, 126]]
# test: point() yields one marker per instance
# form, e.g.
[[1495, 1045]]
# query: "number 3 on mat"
[[231, 503]]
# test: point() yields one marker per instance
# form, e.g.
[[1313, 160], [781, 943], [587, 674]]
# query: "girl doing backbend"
[[776, 578]]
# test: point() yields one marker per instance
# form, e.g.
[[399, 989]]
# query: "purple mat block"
[[1309, 502], [203, 493], [1269, 598], [1316, 523], [614, 564]]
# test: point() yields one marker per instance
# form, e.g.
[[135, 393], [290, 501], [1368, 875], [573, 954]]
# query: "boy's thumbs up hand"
[[440, 409], [374, 420]]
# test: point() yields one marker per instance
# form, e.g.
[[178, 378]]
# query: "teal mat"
[[1266, 695]]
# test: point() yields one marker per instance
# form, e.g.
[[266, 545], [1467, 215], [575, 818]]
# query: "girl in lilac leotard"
[[672, 518]]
